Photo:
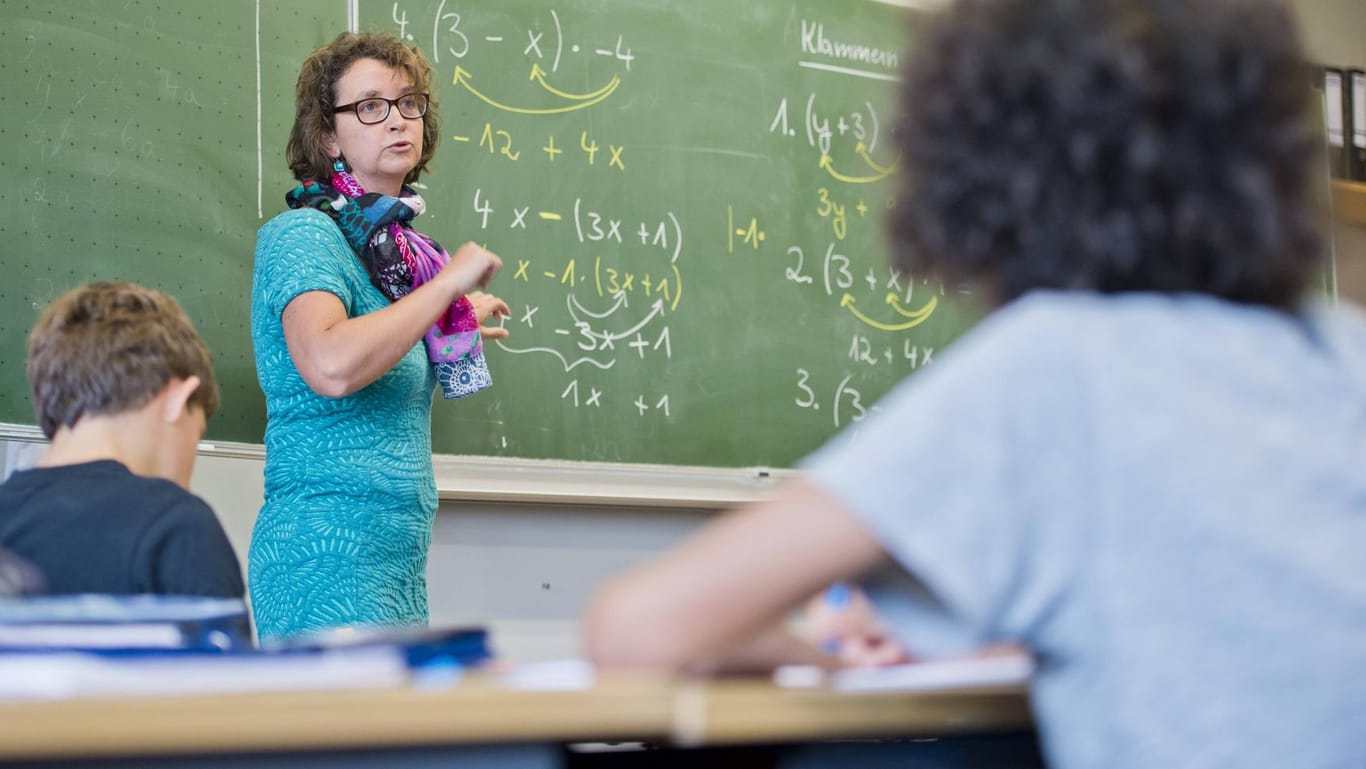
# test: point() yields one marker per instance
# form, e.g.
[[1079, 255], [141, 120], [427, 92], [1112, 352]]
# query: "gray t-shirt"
[[1164, 497]]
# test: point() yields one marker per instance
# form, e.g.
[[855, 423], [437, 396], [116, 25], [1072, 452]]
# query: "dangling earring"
[[338, 165]]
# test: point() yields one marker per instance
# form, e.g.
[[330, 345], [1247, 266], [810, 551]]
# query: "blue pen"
[[837, 597]]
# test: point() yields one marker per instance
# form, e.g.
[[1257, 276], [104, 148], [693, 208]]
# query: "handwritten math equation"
[[850, 194], [616, 302], [622, 277], [448, 37]]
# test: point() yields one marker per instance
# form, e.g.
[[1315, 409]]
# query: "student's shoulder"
[[82, 475], [1043, 341], [1040, 327], [167, 510], [186, 515], [103, 483], [165, 497], [1078, 319], [156, 493], [13, 490], [30, 491], [110, 478], [1058, 311]]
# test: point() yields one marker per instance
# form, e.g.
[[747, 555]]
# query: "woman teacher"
[[356, 318]]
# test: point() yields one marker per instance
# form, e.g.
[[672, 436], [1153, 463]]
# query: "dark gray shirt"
[[98, 528]]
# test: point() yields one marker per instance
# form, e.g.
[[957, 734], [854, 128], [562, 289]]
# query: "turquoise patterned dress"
[[349, 495]]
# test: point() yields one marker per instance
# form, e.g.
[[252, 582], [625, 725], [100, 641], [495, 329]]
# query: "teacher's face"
[[380, 154]]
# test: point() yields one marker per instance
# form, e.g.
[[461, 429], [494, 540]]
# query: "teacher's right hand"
[[489, 306], [472, 266]]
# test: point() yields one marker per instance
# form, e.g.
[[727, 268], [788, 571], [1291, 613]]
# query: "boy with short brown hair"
[[123, 387]]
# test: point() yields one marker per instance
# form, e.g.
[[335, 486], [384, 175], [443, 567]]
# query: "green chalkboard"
[[131, 147], [688, 197]]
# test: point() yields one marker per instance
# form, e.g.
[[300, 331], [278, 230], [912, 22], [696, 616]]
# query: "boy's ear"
[[176, 396]]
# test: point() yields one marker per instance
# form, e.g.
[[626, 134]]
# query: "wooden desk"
[[480, 722], [738, 712]]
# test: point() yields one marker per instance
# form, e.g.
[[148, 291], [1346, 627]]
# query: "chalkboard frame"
[[461, 478]]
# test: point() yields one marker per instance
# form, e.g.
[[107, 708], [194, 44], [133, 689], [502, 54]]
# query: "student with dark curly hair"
[[1145, 466], [356, 318]]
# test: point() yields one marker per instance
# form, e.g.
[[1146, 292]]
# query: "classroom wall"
[[527, 570], [523, 569], [1335, 33], [1334, 30]]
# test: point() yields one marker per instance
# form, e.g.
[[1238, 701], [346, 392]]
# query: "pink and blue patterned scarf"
[[398, 259]]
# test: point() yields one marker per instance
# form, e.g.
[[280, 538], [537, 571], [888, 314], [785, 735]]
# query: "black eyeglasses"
[[376, 109]]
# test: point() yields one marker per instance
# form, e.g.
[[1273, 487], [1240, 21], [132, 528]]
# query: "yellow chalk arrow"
[[862, 151], [920, 314], [847, 301], [829, 166], [538, 75], [463, 77]]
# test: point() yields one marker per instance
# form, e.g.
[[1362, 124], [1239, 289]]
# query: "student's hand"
[[471, 267], [842, 622], [485, 307]]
